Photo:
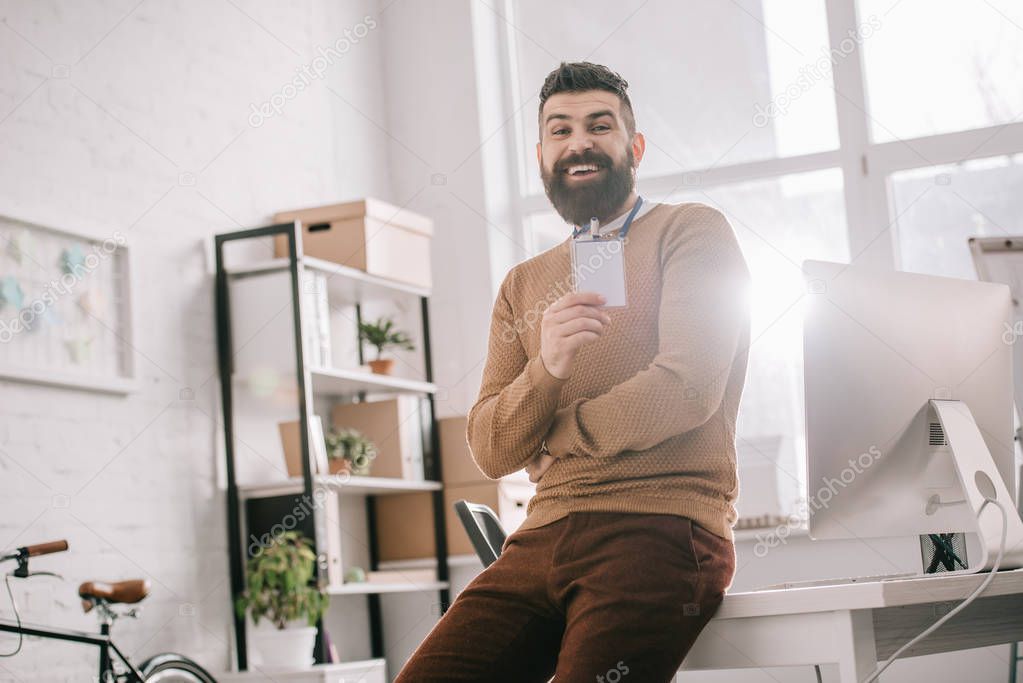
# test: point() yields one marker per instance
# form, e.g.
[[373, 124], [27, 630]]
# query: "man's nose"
[[580, 142]]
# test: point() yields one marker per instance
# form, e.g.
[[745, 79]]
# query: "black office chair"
[[484, 530]]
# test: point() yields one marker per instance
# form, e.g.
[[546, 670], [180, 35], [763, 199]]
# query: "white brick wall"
[[105, 110]]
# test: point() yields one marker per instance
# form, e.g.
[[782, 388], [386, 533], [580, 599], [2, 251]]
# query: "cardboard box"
[[404, 526], [395, 427], [404, 523], [456, 458], [370, 235], [292, 446]]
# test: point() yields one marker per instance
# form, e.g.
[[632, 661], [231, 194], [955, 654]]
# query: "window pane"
[[544, 230], [711, 82], [938, 209], [779, 223], [937, 66]]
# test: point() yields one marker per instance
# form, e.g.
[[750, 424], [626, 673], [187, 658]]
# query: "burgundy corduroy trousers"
[[595, 597]]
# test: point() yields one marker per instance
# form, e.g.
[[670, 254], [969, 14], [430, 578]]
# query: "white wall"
[[109, 112], [436, 168]]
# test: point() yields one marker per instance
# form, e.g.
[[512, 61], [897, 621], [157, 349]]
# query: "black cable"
[[17, 618], [817, 669], [944, 553]]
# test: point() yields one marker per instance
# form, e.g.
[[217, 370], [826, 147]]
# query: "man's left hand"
[[538, 465]]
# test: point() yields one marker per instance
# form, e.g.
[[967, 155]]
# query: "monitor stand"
[[980, 479]]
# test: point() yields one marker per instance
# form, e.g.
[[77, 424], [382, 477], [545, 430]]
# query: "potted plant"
[[349, 451], [381, 334], [281, 591]]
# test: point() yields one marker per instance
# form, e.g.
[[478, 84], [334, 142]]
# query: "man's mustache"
[[596, 159]]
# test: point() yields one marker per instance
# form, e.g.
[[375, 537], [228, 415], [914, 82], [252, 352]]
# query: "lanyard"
[[624, 230]]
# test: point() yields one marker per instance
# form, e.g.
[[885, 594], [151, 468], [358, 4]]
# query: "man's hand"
[[538, 465], [568, 324]]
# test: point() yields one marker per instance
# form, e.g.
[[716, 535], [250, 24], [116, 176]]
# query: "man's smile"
[[579, 171]]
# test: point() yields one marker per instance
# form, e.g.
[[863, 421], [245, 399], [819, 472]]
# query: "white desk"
[[855, 625]]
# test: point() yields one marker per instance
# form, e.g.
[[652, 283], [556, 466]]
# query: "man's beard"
[[599, 198]]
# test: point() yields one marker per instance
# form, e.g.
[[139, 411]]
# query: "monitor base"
[[980, 481]]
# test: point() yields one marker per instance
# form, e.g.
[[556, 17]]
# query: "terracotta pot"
[[382, 366], [339, 465], [344, 466]]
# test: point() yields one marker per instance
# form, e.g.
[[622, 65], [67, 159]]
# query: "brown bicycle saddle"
[[126, 592]]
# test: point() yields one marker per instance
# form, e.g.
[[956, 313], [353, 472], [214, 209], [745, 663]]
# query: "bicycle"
[[167, 667]]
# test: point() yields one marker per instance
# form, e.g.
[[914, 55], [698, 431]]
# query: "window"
[[709, 67], [938, 66], [544, 230], [743, 104], [779, 222], [940, 208]]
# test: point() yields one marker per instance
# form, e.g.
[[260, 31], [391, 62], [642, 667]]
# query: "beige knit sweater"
[[646, 422]]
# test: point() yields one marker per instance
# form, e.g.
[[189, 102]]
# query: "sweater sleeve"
[[703, 312], [517, 399]]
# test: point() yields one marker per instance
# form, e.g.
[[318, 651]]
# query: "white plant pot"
[[287, 649]]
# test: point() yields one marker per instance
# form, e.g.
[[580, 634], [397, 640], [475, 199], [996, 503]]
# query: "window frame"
[[866, 166]]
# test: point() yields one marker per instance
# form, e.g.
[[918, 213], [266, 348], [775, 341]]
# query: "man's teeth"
[[572, 170]]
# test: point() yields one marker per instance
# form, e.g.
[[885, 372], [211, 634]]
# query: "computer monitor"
[[1000, 259], [908, 394]]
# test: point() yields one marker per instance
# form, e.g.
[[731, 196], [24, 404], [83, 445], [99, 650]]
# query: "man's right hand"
[[568, 324]]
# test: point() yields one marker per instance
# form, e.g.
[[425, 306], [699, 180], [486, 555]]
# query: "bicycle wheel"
[[173, 668]]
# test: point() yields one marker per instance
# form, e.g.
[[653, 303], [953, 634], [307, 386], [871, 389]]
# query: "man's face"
[[587, 159]]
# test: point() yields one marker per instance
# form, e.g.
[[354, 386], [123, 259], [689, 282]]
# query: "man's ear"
[[539, 155], [638, 147]]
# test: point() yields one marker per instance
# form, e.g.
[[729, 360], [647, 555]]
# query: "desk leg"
[[857, 653]]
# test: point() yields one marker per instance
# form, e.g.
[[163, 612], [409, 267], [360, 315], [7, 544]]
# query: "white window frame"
[[866, 166]]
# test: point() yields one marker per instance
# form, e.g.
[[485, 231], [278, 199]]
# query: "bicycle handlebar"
[[45, 548]]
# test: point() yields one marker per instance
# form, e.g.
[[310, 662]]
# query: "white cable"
[[963, 605]]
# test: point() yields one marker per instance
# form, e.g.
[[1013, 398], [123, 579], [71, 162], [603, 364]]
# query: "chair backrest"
[[484, 529]]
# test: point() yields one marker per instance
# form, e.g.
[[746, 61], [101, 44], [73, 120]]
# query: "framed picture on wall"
[[65, 307]]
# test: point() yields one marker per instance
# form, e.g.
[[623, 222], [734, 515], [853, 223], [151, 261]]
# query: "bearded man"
[[624, 417]]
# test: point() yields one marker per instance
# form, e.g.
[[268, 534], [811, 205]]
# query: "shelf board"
[[430, 563], [346, 284], [365, 588], [366, 486], [355, 285], [352, 668], [343, 381]]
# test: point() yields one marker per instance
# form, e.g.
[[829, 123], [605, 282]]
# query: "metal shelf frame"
[[240, 502]]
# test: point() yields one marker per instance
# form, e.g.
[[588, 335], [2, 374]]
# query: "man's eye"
[[601, 126], [559, 131]]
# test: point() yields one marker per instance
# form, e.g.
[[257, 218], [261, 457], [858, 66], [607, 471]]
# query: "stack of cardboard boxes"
[[405, 522], [370, 235]]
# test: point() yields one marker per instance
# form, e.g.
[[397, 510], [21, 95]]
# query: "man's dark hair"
[[581, 76]]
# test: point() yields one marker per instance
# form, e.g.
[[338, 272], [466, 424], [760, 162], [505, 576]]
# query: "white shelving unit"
[[258, 376]]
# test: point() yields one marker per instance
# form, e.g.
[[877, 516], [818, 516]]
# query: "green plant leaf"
[[281, 584]]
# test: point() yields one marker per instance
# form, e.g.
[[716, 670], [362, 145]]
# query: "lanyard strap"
[[624, 230]]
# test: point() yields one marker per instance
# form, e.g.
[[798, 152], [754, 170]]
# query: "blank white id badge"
[[598, 265]]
